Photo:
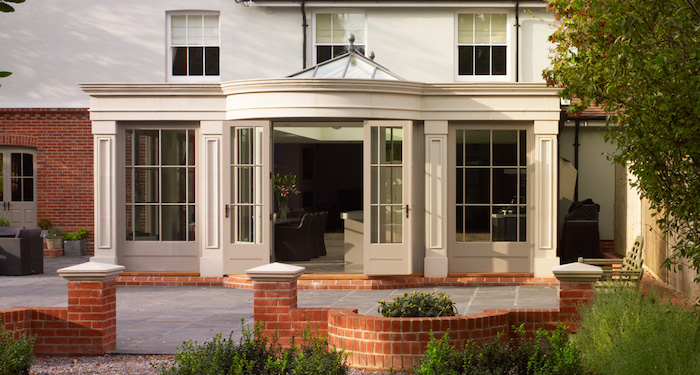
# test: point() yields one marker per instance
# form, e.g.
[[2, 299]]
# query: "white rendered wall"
[[50, 46]]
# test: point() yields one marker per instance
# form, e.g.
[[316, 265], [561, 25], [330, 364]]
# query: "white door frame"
[[20, 213]]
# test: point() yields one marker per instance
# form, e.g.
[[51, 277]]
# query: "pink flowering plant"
[[285, 185]]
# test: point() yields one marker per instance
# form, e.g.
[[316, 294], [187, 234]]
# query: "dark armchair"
[[293, 243]]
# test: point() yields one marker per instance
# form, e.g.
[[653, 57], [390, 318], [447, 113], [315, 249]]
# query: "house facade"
[[428, 122]]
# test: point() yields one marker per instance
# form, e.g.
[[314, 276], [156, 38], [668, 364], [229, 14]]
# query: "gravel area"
[[118, 365]]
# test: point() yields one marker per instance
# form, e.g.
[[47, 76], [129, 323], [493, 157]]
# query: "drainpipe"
[[304, 25], [517, 40]]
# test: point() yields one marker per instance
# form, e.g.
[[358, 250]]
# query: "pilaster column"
[[105, 172], [436, 262], [210, 199], [545, 197], [92, 307]]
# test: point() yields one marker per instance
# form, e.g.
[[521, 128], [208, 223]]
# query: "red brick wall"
[[64, 144]]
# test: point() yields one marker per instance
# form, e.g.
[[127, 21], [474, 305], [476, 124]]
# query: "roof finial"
[[351, 39], [371, 55]]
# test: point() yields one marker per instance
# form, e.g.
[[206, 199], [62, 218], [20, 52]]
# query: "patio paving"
[[155, 320]]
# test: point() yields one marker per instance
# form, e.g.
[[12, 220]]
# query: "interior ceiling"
[[314, 132]]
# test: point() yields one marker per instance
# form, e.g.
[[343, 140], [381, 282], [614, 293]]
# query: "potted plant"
[[45, 225], [54, 239], [75, 244], [4, 222], [284, 185]]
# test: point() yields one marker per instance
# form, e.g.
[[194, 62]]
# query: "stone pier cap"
[[91, 271], [577, 273], [275, 272]]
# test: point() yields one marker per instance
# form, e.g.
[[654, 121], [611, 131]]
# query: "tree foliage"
[[639, 60], [6, 8]]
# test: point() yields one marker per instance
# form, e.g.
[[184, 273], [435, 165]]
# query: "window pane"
[[482, 60], [357, 27], [245, 146], [129, 223], [146, 147], [477, 147], [190, 147], [460, 148], [505, 186], [211, 30], [174, 147], [505, 224], [477, 224], [174, 223], [459, 228], [374, 177], [191, 229], [523, 186], [2, 180], [323, 53], [211, 61], [466, 60], [465, 33], [245, 185], [390, 230], [16, 161], [147, 223], [499, 60], [174, 185], [27, 165], [523, 148], [28, 189], [146, 185], [244, 218], [523, 224], [178, 30], [129, 185], [340, 25], [194, 30], [179, 61], [196, 61], [340, 50], [129, 143], [390, 187], [374, 219], [482, 28], [323, 28], [505, 147], [498, 29], [16, 189], [477, 186], [459, 181], [190, 185]]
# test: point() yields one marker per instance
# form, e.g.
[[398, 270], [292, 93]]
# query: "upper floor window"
[[194, 47], [482, 49], [333, 31]]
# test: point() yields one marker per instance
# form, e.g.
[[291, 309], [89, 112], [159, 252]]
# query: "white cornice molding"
[[149, 89], [399, 4]]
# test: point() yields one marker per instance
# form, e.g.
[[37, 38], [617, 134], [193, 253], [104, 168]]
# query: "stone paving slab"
[[155, 320]]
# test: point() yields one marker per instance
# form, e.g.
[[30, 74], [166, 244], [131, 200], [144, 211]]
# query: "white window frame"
[[314, 25], [169, 49], [510, 48]]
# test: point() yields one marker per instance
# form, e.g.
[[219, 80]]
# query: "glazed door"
[[247, 196], [387, 204], [18, 186]]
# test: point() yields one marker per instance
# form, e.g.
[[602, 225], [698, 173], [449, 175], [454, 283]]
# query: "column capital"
[[91, 271], [577, 273], [275, 272]]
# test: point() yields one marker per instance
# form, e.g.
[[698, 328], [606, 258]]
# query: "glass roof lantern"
[[353, 65]]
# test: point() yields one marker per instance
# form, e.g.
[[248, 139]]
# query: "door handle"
[[226, 210], [407, 210]]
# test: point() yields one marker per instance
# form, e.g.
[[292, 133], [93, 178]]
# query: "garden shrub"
[[255, 354], [626, 332], [16, 355], [545, 353], [419, 304]]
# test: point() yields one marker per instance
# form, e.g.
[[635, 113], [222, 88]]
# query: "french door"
[[387, 200], [247, 196], [18, 186]]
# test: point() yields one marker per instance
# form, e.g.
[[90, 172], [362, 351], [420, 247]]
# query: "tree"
[[6, 8], [639, 60]]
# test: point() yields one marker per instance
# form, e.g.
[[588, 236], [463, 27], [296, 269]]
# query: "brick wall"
[[64, 145]]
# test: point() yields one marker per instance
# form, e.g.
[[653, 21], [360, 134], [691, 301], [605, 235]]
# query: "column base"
[[211, 267], [435, 267], [543, 266]]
